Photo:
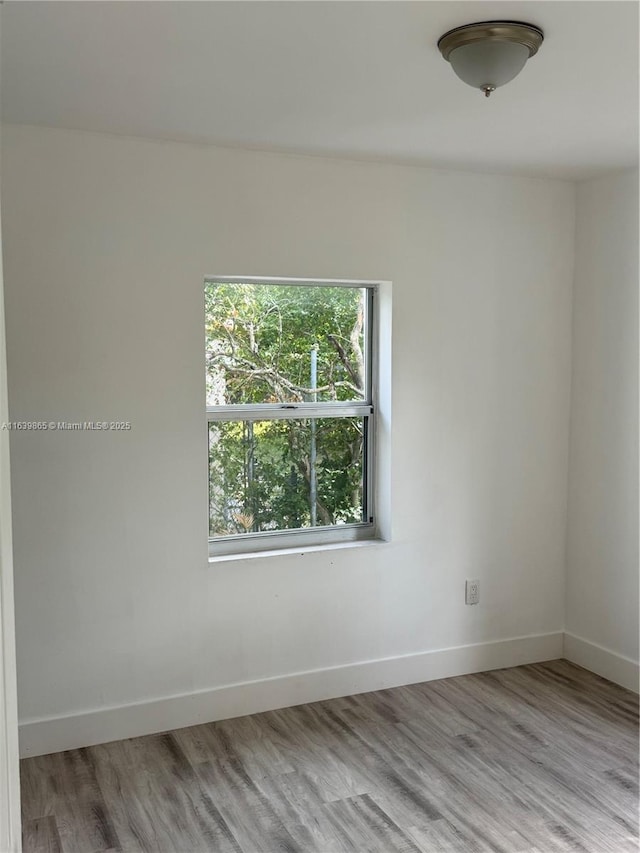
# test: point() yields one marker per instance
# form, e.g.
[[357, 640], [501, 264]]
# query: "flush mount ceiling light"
[[489, 54]]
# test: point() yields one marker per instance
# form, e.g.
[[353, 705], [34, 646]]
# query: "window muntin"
[[290, 412]]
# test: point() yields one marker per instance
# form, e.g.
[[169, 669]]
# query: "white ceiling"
[[350, 79]]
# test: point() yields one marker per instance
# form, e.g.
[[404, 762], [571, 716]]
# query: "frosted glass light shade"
[[489, 54], [488, 63]]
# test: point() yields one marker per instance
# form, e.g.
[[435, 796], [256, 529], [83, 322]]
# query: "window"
[[289, 378]]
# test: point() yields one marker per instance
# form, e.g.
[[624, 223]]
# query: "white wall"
[[602, 540], [107, 242]]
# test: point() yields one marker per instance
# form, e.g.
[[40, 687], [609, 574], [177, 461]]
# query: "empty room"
[[319, 426]]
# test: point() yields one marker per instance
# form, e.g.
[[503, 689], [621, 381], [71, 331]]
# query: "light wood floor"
[[538, 758]]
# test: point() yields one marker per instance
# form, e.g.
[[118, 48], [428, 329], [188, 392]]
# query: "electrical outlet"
[[472, 592]]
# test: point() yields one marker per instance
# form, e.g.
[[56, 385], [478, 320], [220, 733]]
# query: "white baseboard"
[[55, 734], [605, 662]]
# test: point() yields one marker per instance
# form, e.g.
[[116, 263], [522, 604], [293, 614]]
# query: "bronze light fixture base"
[[489, 54]]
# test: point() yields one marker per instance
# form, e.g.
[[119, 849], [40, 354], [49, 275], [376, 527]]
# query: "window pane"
[[284, 343], [262, 474]]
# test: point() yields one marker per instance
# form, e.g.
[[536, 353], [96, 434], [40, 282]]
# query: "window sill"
[[298, 551]]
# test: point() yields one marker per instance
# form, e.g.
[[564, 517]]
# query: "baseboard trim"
[[56, 734], [605, 662]]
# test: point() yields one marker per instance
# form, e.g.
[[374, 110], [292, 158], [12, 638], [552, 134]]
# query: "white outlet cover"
[[472, 592]]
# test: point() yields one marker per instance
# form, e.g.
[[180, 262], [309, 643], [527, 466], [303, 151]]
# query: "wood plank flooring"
[[534, 759]]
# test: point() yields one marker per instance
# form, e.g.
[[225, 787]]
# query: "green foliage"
[[262, 336], [259, 341]]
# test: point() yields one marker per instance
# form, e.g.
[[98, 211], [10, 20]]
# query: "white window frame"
[[248, 543]]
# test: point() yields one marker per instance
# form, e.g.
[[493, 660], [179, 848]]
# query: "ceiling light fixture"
[[491, 53]]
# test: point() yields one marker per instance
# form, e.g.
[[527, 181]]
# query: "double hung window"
[[290, 412]]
